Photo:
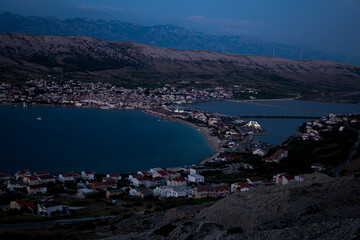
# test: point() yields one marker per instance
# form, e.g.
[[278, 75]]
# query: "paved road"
[[51, 223]]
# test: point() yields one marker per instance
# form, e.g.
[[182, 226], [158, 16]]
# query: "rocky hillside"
[[161, 35], [24, 56], [320, 208]]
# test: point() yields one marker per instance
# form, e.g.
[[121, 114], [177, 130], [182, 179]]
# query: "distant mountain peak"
[[160, 35]]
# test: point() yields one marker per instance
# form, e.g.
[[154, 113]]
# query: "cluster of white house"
[[155, 182], [36, 182], [48, 207], [326, 124], [166, 183]]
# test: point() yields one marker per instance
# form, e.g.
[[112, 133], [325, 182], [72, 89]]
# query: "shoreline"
[[261, 100], [212, 140]]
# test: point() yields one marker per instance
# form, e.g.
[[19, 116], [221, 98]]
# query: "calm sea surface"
[[278, 127], [100, 140]]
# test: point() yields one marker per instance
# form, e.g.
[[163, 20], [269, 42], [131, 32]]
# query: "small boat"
[[39, 118]]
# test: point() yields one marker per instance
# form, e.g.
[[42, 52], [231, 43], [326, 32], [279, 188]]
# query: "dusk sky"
[[332, 26]]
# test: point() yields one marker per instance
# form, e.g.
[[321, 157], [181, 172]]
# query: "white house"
[[277, 156], [47, 178], [173, 174], [240, 187], [22, 173], [49, 208], [255, 181], [133, 192], [23, 203], [141, 192], [154, 170], [260, 151], [116, 176], [283, 178], [196, 178], [299, 178], [66, 177], [161, 173], [160, 180], [177, 192], [34, 189], [87, 175], [12, 184], [177, 182], [139, 181], [145, 173], [84, 192], [133, 176], [31, 180], [162, 191]]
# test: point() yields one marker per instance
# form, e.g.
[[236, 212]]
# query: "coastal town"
[[240, 162], [231, 169], [105, 95]]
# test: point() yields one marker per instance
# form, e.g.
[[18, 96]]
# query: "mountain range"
[[160, 35], [131, 64]]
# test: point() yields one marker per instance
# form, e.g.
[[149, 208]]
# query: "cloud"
[[224, 25], [90, 7]]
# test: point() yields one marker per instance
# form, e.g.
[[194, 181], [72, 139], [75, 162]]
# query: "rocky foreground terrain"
[[319, 208], [26, 56]]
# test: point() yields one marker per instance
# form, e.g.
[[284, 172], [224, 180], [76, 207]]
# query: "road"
[[51, 223], [353, 150]]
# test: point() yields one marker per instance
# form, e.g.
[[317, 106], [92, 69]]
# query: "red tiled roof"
[[179, 179], [243, 185], [142, 179], [88, 172], [288, 176], [146, 173], [221, 188], [136, 175], [22, 172], [67, 175], [162, 173], [255, 179], [275, 156], [43, 177], [26, 202], [41, 173], [33, 178], [109, 179]]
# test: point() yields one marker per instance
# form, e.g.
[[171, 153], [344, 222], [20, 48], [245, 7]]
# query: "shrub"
[[165, 230], [235, 230]]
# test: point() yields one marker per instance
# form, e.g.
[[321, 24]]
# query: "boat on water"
[[39, 118]]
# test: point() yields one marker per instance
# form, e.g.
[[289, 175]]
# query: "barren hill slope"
[[24, 56], [320, 208]]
